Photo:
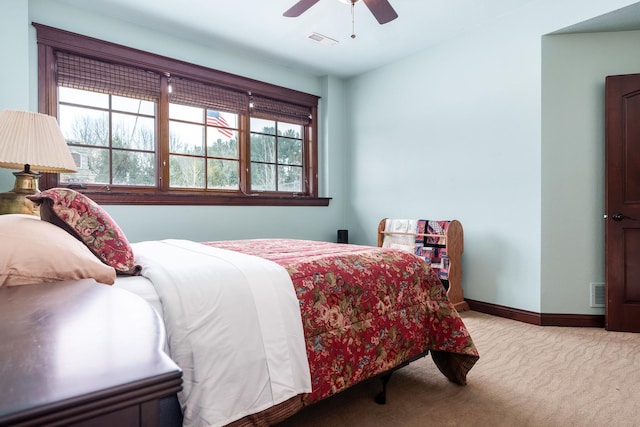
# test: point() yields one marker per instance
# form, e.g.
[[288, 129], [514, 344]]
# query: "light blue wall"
[[14, 80], [464, 144], [573, 144], [481, 128], [189, 222], [456, 132]]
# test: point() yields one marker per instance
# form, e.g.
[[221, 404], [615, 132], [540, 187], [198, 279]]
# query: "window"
[[146, 129], [112, 138], [276, 156], [203, 148]]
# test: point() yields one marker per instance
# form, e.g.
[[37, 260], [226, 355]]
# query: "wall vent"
[[597, 295]]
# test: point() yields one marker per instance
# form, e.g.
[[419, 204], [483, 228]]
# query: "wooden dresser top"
[[70, 345]]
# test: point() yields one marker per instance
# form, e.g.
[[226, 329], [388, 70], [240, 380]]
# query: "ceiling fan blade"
[[381, 10], [299, 8]]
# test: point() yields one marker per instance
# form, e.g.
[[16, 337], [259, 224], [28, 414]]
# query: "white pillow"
[[34, 251]]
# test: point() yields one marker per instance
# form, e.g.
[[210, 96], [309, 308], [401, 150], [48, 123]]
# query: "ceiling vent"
[[322, 39]]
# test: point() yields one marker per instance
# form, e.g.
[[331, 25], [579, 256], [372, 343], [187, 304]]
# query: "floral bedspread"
[[366, 310]]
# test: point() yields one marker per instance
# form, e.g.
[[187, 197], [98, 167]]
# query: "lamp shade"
[[33, 139]]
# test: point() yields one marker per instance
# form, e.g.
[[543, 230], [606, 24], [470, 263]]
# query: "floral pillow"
[[92, 225]]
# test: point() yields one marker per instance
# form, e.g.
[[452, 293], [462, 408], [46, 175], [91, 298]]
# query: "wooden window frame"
[[50, 40]]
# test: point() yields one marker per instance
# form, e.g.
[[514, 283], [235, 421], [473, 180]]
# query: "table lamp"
[[32, 142]]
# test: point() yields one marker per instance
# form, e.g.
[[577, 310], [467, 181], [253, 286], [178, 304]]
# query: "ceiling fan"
[[381, 9]]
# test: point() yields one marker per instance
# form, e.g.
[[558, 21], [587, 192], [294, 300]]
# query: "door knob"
[[617, 216]]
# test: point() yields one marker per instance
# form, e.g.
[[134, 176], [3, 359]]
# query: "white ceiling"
[[259, 29]]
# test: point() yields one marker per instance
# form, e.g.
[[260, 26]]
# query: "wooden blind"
[[282, 111], [79, 72], [191, 92]]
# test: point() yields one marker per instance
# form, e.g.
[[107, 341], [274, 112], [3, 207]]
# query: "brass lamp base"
[[16, 202]]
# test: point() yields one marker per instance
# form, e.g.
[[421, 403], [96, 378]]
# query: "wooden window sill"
[[140, 198]]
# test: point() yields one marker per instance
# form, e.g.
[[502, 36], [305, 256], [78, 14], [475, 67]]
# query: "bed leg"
[[381, 398]]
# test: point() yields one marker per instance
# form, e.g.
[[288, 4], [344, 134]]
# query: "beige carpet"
[[526, 376]]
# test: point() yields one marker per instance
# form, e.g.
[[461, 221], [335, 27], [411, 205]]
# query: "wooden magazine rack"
[[454, 246]]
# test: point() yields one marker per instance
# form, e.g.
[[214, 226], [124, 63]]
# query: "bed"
[[311, 319]]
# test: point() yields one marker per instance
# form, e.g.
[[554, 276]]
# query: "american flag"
[[214, 118]]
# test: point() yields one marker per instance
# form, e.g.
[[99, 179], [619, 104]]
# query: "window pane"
[[222, 119], [84, 125], [185, 138], [218, 131], [133, 168], [290, 179], [93, 166], [186, 172], [83, 97], [290, 151], [290, 130], [186, 113], [263, 126], [263, 177], [133, 132], [227, 148], [263, 148], [220, 134], [132, 105], [223, 174]]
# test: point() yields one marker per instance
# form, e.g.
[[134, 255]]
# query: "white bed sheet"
[[233, 326], [142, 287]]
